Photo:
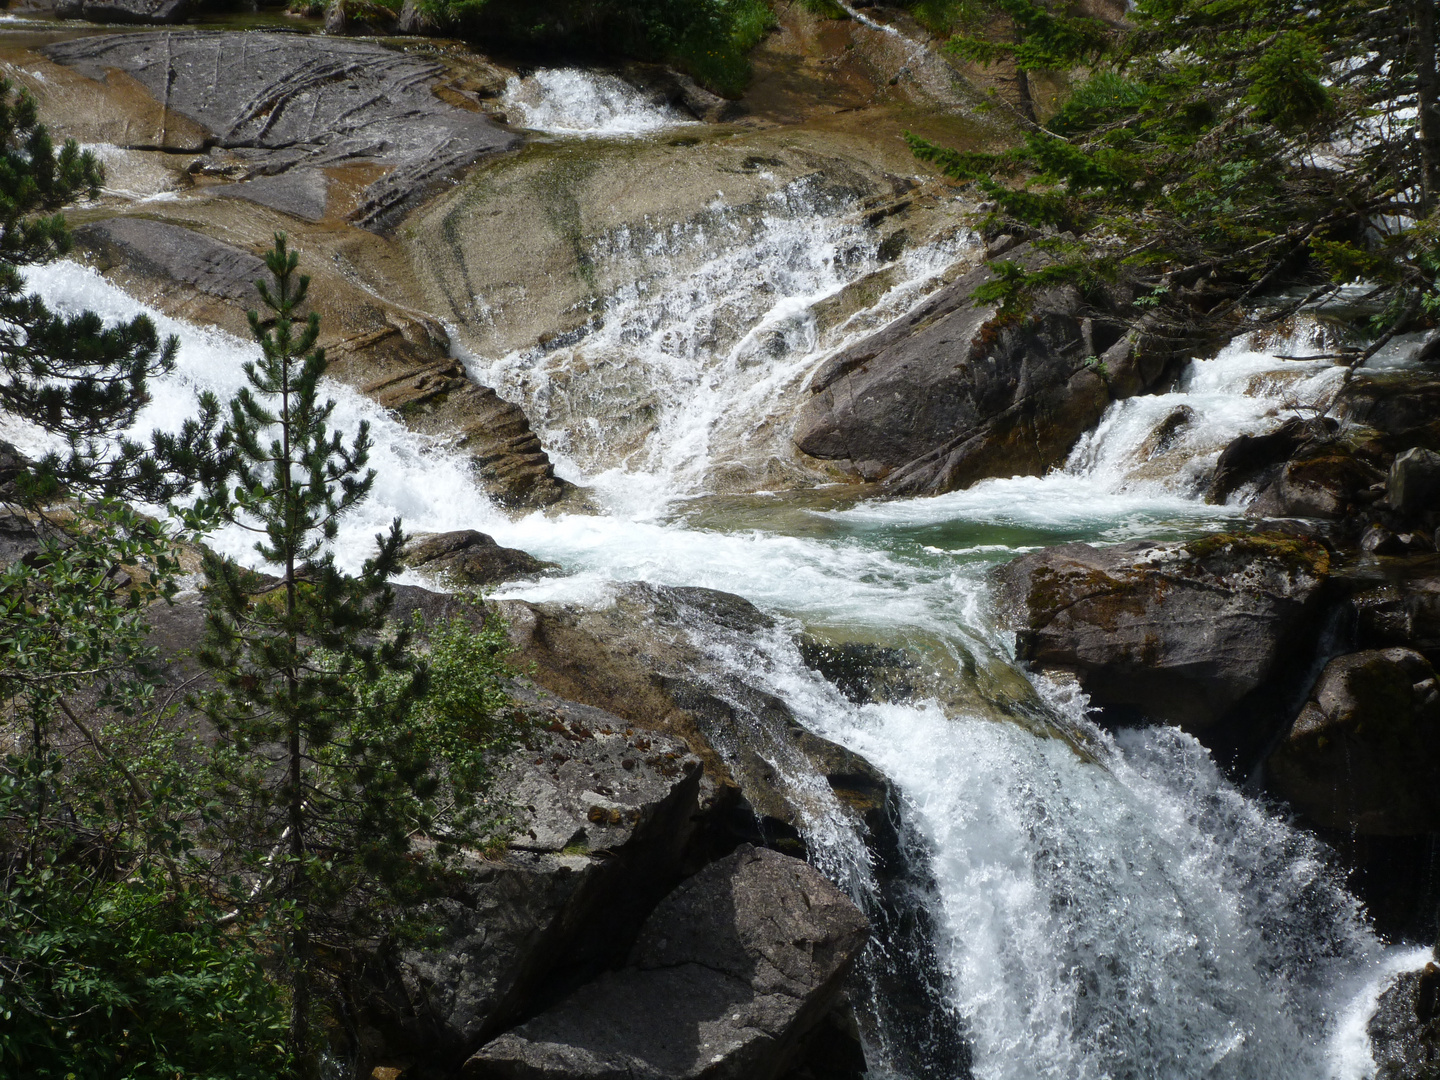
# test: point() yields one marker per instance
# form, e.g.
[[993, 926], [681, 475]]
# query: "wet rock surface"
[[471, 558], [952, 393], [143, 12], [1364, 752], [729, 974], [1405, 1030], [1180, 633], [397, 359], [277, 101], [173, 258]]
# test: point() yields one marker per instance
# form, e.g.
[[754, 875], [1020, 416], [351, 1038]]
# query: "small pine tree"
[[324, 778]]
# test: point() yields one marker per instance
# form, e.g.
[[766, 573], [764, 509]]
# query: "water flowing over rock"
[[729, 975], [1364, 752], [1180, 633], [399, 359], [952, 393], [277, 101]]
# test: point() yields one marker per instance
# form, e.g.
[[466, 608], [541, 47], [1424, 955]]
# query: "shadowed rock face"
[[953, 393], [603, 816], [729, 974], [283, 100], [1176, 632], [1405, 1030], [1363, 754]]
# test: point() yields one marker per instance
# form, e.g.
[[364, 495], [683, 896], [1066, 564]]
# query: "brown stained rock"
[[955, 392], [1364, 752], [729, 974], [471, 558], [1179, 633], [396, 357], [1321, 481]]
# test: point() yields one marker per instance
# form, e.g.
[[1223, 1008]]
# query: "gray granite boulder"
[[603, 817], [471, 558], [143, 12], [1413, 486], [729, 975], [174, 256], [954, 392], [1179, 633]]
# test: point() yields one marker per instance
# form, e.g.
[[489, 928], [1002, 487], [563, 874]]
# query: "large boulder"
[[955, 391], [728, 976], [471, 558], [604, 816], [1404, 611], [280, 100], [1179, 632], [1413, 486], [1364, 752]]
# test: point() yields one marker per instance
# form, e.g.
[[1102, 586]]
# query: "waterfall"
[[684, 381], [584, 103], [1127, 912]]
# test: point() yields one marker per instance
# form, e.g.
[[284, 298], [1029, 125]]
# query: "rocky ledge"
[[1184, 633], [956, 391], [728, 977], [277, 102]]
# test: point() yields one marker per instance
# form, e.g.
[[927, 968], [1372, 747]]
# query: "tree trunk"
[[1427, 91]]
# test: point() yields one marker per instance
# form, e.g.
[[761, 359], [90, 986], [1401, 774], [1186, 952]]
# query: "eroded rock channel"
[[917, 691]]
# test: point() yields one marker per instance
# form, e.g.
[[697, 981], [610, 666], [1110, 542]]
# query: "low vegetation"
[[190, 858]]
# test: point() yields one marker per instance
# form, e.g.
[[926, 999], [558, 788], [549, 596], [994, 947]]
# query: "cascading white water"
[[683, 383], [1132, 916], [586, 103]]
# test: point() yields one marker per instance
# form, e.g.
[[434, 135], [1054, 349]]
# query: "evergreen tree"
[[1220, 147], [1040, 36], [72, 375], [329, 760]]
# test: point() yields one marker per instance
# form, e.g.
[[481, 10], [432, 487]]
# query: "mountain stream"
[[1123, 912]]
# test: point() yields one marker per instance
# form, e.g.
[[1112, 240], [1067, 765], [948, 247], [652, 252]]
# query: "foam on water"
[[568, 101], [415, 478], [1129, 917], [686, 380]]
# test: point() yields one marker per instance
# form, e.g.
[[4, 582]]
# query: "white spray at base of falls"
[[1133, 917], [567, 101]]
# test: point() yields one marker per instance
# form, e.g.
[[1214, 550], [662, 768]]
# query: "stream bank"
[[1047, 895]]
